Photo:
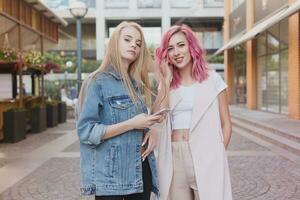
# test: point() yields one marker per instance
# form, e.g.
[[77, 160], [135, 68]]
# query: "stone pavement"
[[46, 166]]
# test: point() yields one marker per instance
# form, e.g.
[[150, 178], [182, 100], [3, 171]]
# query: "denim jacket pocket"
[[111, 165], [122, 108], [120, 102]]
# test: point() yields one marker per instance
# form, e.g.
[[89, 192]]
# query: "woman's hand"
[[143, 121], [151, 140]]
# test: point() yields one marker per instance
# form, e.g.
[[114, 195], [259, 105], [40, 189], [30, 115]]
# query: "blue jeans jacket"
[[113, 166]]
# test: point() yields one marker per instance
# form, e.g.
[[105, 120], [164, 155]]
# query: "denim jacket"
[[112, 166]]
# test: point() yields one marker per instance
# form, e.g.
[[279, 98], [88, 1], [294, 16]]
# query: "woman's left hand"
[[151, 140]]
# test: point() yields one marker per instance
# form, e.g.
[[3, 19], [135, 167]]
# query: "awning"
[[261, 26], [269, 22], [229, 44]]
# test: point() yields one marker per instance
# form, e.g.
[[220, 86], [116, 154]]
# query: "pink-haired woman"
[[192, 160]]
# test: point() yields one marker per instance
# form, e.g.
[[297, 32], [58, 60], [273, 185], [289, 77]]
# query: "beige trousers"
[[183, 186]]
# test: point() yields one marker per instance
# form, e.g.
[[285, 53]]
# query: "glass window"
[[116, 3], [273, 39], [272, 72], [273, 82], [236, 3], [261, 44], [182, 3], [261, 83], [210, 39], [213, 3], [284, 81], [240, 75], [284, 39], [149, 3], [58, 4]]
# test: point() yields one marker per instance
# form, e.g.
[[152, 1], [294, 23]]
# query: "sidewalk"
[[46, 166]]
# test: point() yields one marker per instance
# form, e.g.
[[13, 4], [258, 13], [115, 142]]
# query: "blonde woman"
[[117, 161], [192, 160]]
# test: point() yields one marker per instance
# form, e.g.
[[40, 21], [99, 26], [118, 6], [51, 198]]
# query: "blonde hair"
[[138, 69]]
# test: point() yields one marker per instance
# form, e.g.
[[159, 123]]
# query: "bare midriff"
[[180, 135]]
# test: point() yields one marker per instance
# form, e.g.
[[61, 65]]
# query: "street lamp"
[[78, 9]]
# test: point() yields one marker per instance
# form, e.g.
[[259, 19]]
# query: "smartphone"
[[162, 111]]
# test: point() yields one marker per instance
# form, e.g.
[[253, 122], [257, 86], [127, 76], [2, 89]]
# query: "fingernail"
[[143, 144]]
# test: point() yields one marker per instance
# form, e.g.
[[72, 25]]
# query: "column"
[[100, 30], [165, 17], [294, 66], [228, 54], [251, 57]]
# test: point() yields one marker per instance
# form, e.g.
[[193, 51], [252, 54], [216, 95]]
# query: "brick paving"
[[256, 173]]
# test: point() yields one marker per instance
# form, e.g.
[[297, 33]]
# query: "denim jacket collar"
[[111, 71]]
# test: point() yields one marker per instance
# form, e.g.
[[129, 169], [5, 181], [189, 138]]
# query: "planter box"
[[52, 115], [38, 119], [62, 112], [15, 125]]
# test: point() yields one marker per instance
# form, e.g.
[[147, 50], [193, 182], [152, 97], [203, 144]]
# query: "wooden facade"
[[27, 15], [25, 26]]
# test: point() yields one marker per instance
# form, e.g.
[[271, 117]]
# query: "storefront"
[[28, 29], [272, 69], [261, 52]]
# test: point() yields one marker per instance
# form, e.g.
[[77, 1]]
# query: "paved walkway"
[[46, 166]]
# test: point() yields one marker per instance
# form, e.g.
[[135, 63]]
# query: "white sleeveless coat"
[[206, 144]]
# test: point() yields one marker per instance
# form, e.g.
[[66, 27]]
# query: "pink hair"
[[199, 69]]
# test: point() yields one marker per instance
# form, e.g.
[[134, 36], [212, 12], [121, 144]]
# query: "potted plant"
[[62, 112], [38, 118], [52, 113], [33, 59], [8, 55], [15, 122]]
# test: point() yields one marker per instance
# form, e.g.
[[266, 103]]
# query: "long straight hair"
[[199, 68], [138, 70]]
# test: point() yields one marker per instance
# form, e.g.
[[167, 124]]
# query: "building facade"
[[204, 16], [261, 55]]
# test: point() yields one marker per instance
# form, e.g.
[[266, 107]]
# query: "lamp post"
[[78, 10]]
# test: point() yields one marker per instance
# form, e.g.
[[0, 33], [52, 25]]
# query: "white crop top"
[[182, 113]]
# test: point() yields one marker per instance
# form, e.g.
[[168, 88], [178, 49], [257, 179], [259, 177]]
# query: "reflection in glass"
[[272, 69], [240, 75], [273, 43], [210, 39], [261, 83], [261, 44], [284, 81], [273, 82]]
